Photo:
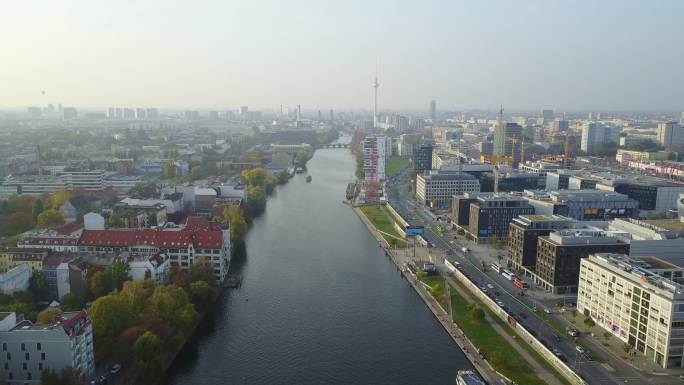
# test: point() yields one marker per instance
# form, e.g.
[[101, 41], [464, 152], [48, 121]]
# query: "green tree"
[[302, 157], [38, 208], [196, 173], [96, 284], [50, 219], [238, 225], [255, 177], [38, 285], [114, 220], [475, 313], [281, 176], [147, 349], [48, 316], [202, 270], [152, 219], [202, 295], [255, 200], [111, 314], [270, 183], [169, 170], [116, 274], [172, 307], [72, 302]]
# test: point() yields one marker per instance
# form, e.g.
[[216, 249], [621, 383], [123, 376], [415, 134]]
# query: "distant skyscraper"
[[670, 134], [111, 113], [140, 113], [243, 111], [681, 120], [129, 113], [320, 116], [332, 116], [152, 114], [433, 111], [508, 141], [560, 125], [69, 113], [547, 115], [213, 115], [594, 133], [299, 112]]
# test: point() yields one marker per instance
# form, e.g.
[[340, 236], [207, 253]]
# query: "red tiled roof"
[[69, 228], [197, 231]]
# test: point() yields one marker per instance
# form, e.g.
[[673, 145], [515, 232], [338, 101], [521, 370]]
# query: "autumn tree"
[[48, 316], [50, 219], [232, 215]]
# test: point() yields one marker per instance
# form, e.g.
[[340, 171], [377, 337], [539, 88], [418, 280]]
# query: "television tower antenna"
[[375, 99]]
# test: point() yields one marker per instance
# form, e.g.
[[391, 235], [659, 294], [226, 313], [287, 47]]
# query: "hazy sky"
[[321, 54]]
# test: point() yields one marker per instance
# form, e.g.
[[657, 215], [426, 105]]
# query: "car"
[[489, 285], [102, 380], [557, 352], [579, 349], [572, 332], [500, 303], [115, 369], [547, 311]]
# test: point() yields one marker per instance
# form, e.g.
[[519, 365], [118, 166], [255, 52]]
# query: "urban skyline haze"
[[611, 55]]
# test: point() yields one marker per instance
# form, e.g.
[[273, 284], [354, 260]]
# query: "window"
[[9, 356], [23, 346], [42, 356], [38, 346], [26, 356], [4, 346], [28, 375], [24, 366], [40, 366], [6, 365]]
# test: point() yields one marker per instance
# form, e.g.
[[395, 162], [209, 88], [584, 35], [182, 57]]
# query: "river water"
[[319, 301]]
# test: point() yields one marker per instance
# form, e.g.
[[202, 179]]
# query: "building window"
[[23, 346], [40, 366], [24, 366], [4, 346], [38, 346], [26, 356], [6, 365], [9, 356], [28, 375], [42, 356]]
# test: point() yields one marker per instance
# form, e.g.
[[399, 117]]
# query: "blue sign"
[[412, 231]]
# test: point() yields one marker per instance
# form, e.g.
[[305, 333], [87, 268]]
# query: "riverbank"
[[456, 334]]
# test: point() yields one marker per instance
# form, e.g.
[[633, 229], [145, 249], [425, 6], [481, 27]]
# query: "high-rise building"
[[638, 300], [491, 214], [152, 114], [422, 158], [119, 113], [374, 153], [670, 134], [560, 125], [547, 116], [524, 232], [433, 111], [69, 113], [128, 114], [111, 113], [594, 133], [332, 115], [508, 141], [140, 113]]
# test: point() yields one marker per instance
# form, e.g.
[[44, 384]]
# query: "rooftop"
[[667, 224], [637, 269]]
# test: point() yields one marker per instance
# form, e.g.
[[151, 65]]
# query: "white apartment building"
[[374, 157], [438, 187], [630, 298], [670, 134], [28, 349]]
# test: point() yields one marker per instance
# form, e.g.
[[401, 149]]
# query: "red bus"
[[520, 284]]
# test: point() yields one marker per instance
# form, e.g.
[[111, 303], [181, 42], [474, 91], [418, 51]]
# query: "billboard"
[[412, 231]]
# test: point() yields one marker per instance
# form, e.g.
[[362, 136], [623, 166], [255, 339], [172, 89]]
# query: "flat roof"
[[658, 263], [667, 224]]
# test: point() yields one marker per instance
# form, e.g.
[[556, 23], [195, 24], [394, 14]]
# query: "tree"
[[171, 306], [17, 223], [238, 225], [202, 270], [116, 274], [152, 219], [589, 322], [57, 199], [50, 219], [202, 295], [38, 285], [96, 283], [255, 199], [72, 302], [48, 316], [169, 170], [38, 208], [282, 177], [147, 349], [111, 314], [254, 177], [302, 157], [475, 313], [114, 220], [50, 377], [270, 183], [196, 173]]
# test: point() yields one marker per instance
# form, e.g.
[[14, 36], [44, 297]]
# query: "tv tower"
[[375, 100]]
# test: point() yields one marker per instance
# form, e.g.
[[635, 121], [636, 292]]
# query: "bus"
[[520, 284], [496, 267], [509, 275]]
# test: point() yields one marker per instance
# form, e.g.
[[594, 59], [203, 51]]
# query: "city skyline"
[[463, 55]]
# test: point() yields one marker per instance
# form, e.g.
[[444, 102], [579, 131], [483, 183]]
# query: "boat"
[[468, 377], [308, 179]]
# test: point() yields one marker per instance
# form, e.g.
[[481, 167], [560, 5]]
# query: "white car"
[[547, 311]]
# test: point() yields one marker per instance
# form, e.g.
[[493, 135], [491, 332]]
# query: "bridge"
[[336, 145]]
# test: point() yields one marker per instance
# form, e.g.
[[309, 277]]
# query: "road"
[[521, 307]]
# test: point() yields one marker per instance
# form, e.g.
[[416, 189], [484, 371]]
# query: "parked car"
[[115, 369], [579, 349], [572, 332], [547, 311], [489, 285]]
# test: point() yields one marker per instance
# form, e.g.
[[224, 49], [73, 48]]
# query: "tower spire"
[[375, 99]]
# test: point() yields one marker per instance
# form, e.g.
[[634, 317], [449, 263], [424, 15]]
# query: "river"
[[319, 301]]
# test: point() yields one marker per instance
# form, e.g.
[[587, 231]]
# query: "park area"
[[384, 221], [394, 166]]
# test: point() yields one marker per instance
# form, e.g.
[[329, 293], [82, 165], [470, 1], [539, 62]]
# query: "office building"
[[422, 158], [513, 181], [559, 254], [128, 114], [547, 116], [92, 180], [69, 113], [437, 188], [140, 114], [662, 238], [631, 299], [594, 133], [524, 232], [405, 145], [374, 156], [490, 215], [583, 205], [670, 134], [433, 111], [507, 142], [559, 125], [29, 349], [198, 239]]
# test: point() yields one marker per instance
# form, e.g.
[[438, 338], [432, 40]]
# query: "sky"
[[564, 55]]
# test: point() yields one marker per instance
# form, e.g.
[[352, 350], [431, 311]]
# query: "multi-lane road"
[[522, 308]]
